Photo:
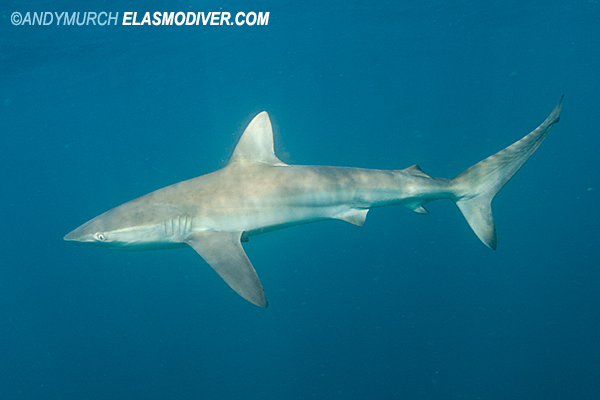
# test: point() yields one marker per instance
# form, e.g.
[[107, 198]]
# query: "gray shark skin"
[[256, 193]]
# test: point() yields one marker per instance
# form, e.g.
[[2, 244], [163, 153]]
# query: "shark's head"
[[136, 225]]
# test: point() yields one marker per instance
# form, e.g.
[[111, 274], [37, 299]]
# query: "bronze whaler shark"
[[256, 193]]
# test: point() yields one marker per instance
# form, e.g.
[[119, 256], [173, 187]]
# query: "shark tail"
[[475, 188]]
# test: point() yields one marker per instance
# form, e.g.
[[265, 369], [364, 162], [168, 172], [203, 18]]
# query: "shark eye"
[[99, 237]]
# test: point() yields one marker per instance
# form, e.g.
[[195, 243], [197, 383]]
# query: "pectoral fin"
[[224, 253]]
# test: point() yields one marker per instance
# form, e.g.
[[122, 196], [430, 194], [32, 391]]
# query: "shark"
[[256, 193]]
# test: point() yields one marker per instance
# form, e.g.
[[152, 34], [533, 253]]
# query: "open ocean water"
[[407, 306]]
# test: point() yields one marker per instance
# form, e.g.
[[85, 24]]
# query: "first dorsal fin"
[[256, 143]]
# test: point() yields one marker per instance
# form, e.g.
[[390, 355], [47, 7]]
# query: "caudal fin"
[[475, 188]]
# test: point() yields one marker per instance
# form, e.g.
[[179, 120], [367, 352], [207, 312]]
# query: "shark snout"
[[80, 235], [71, 236]]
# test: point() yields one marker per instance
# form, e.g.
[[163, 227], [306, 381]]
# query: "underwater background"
[[407, 307]]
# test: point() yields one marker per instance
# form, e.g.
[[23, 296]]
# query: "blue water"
[[406, 307]]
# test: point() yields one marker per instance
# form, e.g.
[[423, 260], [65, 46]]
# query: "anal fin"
[[421, 210]]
